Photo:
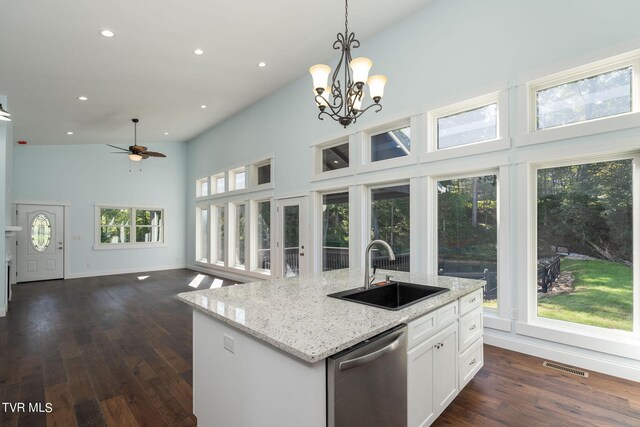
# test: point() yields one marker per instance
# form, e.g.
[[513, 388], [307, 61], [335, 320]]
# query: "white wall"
[[447, 50], [85, 175]]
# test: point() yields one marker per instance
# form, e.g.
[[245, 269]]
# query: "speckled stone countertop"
[[296, 315]]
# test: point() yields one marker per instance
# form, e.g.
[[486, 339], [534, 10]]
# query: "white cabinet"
[[444, 353], [432, 376]]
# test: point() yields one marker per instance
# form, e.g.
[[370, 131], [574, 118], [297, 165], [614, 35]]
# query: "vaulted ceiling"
[[51, 53]]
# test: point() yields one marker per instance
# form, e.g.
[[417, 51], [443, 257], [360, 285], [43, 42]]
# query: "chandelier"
[[344, 103]]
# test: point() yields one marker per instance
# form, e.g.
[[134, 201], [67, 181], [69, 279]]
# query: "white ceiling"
[[51, 52]]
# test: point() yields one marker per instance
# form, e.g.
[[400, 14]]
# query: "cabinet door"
[[420, 384], [445, 362]]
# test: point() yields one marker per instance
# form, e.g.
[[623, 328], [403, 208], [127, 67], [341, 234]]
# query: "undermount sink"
[[391, 296]]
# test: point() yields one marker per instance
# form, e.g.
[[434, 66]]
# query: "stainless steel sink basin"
[[392, 296]]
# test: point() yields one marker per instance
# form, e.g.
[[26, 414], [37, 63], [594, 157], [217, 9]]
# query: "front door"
[[40, 252], [293, 224]]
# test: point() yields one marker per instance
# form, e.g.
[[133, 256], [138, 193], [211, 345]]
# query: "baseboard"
[[236, 277], [85, 274], [592, 362]]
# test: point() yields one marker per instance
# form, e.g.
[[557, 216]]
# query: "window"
[[585, 244], [218, 182], [264, 174], [40, 232], [391, 144], [467, 231], [574, 100], [202, 187], [263, 241], [335, 231], [335, 157], [202, 249], [466, 127], [239, 250], [390, 221], [237, 179], [219, 239], [120, 226]]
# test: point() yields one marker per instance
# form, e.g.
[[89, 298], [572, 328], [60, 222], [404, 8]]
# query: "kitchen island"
[[260, 348]]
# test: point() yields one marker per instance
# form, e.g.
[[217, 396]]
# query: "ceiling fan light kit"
[[136, 152], [344, 103]]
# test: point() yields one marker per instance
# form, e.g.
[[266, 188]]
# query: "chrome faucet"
[[392, 257]]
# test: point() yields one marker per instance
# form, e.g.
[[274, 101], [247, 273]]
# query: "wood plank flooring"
[[117, 351], [105, 351]]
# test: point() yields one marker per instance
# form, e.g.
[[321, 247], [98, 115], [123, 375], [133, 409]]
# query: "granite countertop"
[[296, 316]]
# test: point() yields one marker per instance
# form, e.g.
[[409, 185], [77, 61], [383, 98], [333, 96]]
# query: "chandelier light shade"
[[342, 99], [4, 115]]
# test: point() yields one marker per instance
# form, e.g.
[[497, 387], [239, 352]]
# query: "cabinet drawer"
[[422, 328], [447, 314], [425, 326], [471, 361], [470, 301], [470, 328]]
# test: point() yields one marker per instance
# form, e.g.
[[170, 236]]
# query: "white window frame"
[[501, 142], [411, 122], [316, 158], [232, 179], [252, 173], [529, 134], [98, 245], [319, 240], [619, 343], [413, 220], [493, 318], [253, 235], [231, 228], [198, 257], [214, 183], [199, 183]]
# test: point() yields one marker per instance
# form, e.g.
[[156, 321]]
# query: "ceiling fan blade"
[[137, 149], [154, 154], [144, 155], [119, 148]]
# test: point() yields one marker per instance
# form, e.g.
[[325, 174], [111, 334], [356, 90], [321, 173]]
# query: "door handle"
[[302, 254]]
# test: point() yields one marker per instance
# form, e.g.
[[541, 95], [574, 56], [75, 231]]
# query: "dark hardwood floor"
[[117, 351]]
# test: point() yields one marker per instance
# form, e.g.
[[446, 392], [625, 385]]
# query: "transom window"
[[128, 226], [335, 157], [391, 144], [467, 127], [202, 187], [264, 173]]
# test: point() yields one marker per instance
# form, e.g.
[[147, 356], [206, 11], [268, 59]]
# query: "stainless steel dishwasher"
[[367, 383]]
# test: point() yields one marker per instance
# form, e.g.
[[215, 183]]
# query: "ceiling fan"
[[136, 152]]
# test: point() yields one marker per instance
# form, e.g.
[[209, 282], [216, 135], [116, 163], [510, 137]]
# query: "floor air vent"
[[574, 371]]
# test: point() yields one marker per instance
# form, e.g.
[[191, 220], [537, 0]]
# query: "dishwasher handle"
[[397, 338]]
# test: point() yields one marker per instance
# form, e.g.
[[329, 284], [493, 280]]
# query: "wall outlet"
[[514, 314], [228, 343]]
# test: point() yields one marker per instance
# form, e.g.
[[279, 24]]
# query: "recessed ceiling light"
[[82, 98], [107, 33], [262, 64], [166, 133], [198, 51], [69, 133], [203, 106]]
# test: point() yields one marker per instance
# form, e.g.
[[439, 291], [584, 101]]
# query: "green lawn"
[[603, 295]]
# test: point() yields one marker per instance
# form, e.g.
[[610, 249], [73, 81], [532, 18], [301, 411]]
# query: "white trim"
[[591, 360], [490, 320], [123, 271]]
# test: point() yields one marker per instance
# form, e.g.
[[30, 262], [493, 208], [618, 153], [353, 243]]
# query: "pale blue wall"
[[448, 48], [83, 175]]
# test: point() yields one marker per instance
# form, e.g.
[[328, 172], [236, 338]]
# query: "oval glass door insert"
[[40, 232]]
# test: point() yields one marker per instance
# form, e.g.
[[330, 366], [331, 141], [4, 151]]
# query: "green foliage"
[[583, 205], [602, 296]]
